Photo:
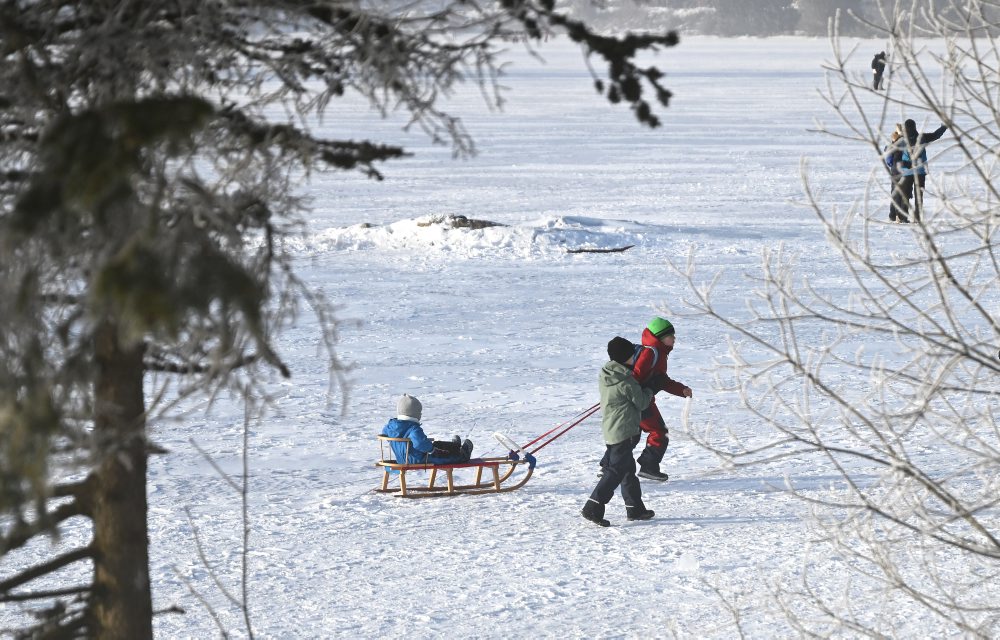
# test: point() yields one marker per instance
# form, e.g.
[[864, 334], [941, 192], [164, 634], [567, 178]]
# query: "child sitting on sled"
[[622, 402], [423, 450]]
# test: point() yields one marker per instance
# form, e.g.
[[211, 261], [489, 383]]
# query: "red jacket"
[[653, 361]]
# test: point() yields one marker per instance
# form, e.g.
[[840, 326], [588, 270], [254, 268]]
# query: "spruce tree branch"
[[39, 595], [71, 489], [20, 534], [45, 568], [159, 362]]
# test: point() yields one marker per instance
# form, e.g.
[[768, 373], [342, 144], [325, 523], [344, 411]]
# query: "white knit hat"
[[408, 408]]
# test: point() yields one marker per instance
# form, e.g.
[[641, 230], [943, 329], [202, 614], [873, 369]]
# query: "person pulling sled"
[[622, 401]]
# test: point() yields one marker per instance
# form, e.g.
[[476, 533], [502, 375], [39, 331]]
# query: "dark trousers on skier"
[[620, 472], [657, 438]]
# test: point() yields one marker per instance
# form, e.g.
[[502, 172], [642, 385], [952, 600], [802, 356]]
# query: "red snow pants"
[[652, 423]]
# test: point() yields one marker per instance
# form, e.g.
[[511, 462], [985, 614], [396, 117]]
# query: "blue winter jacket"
[[899, 154], [420, 445]]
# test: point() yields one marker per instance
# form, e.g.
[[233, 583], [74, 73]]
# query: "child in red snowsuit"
[[650, 369]]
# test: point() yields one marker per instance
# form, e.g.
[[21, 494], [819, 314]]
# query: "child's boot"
[[638, 513], [594, 511], [652, 472], [649, 464]]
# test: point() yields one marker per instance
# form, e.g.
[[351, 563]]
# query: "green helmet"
[[660, 327]]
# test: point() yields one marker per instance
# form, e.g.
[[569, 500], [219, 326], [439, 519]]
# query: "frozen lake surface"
[[500, 329]]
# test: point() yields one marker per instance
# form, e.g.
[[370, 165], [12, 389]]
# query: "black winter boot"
[[467, 449], [652, 472], [636, 513], [594, 511], [649, 463]]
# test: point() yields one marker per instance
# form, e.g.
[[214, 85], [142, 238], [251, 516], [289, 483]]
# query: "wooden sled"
[[499, 478]]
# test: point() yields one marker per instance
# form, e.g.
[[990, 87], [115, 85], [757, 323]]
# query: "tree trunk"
[[122, 604]]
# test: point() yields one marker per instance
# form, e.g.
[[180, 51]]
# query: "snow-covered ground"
[[500, 329]]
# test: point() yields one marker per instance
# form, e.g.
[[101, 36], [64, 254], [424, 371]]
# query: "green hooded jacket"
[[622, 402]]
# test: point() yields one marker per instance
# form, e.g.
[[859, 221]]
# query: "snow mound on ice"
[[466, 237]]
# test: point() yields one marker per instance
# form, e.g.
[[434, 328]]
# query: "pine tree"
[[146, 199]]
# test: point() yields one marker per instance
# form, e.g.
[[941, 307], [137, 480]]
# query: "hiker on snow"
[[622, 402], [909, 155], [423, 450], [657, 342], [897, 204], [878, 68]]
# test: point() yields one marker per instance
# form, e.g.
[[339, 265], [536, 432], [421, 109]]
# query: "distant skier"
[[878, 68], [657, 341], [910, 155], [622, 402], [423, 450]]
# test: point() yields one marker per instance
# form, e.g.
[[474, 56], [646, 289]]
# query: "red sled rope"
[[586, 414]]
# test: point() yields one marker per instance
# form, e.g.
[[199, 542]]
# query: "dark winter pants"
[[900, 203], [913, 189], [448, 452], [656, 442], [620, 471]]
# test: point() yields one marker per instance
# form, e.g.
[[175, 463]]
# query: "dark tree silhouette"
[[146, 198]]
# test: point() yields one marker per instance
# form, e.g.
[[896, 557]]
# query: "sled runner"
[[500, 472]]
